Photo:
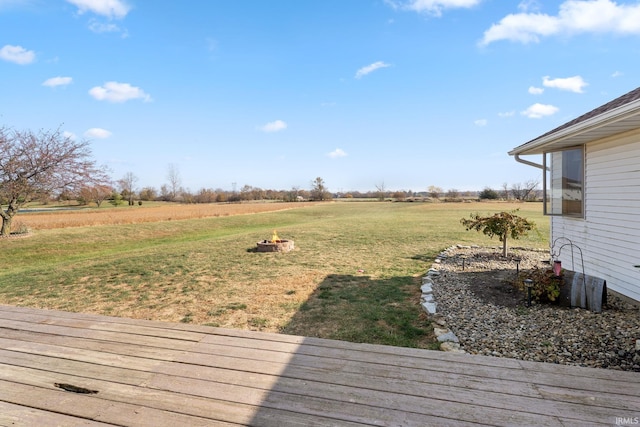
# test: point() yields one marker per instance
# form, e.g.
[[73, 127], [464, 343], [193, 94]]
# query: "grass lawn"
[[354, 275]]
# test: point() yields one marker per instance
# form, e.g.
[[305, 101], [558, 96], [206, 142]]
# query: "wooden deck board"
[[153, 373]]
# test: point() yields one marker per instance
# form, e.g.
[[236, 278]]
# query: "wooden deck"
[[147, 373]]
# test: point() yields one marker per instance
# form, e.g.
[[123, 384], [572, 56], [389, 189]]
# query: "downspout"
[[544, 168], [527, 162]]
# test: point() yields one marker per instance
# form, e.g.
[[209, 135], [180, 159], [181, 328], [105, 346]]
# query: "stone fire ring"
[[275, 246]]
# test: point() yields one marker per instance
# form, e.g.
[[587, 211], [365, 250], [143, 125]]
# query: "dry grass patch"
[[140, 214]]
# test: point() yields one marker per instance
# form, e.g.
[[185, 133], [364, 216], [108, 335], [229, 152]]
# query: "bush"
[[501, 224], [488, 194], [546, 287]]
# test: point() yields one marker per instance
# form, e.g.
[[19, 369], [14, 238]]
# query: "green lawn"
[[354, 275]]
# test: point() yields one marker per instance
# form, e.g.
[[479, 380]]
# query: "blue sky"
[[273, 94]]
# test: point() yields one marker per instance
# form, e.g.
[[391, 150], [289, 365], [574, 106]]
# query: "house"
[[591, 186]]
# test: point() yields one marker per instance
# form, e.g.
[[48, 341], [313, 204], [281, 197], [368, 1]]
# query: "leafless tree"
[[505, 191], [148, 194], [381, 192], [523, 191], [95, 193], [173, 176], [128, 187], [434, 192], [453, 195], [37, 164], [319, 190]]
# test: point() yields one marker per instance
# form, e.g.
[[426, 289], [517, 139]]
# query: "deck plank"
[[155, 373]]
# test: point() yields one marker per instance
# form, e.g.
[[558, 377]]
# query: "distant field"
[[155, 212], [354, 275]]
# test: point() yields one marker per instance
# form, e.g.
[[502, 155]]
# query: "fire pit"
[[276, 244]]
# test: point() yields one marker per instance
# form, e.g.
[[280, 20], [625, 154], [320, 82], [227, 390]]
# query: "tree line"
[[45, 164]]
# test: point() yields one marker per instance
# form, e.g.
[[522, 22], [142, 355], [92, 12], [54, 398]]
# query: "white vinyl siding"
[[609, 235]]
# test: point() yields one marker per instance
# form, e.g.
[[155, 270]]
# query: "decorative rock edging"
[[447, 339]]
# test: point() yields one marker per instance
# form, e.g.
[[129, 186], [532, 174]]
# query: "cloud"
[[537, 111], [57, 81], [101, 27], [107, 8], [69, 135], [481, 122], [274, 126], [371, 68], [97, 133], [574, 16], [617, 74], [507, 114], [118, 92], [338, 152], [529, 5], [571, 84], [431, 7], [535, 90], [17, 54]]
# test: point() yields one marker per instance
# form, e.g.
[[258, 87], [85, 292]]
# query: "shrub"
[[546, 287], [501, 224], [488, 194]]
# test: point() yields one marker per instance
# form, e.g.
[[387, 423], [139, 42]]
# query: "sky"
[[272, 94]]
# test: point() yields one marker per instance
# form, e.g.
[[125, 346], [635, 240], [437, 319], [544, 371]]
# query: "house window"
[[564, 183]]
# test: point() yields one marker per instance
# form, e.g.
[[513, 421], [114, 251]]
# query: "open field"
[[354, 274], [149, 212]]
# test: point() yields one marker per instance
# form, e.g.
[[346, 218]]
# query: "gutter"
[[605, 119], [528, 163]]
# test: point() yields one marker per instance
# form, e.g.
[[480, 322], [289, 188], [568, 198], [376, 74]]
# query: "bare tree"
[[95, 193], [434, 192], [319, 190], [505, 190], [453, 195], [173, 176], [127, 187], [37, 164], [148, 194], [523, 191], [381, 192]]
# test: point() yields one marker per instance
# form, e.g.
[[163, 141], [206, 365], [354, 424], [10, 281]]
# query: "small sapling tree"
[[501, 224]]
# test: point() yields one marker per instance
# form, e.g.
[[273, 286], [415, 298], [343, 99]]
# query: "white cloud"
[[108, 8], [101, 27], [617, 74], [97, 133], [537, 111], [507, 114], [118, 92], [574, 16], [431, 7], [57, 81], [69, 135], [370, 68], [274, 126], [571, 84], [535, 90], [17, 54], [338, 152], [481, 122], [529, 5]]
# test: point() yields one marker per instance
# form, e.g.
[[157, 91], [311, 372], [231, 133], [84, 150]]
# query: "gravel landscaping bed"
[[489, 316]]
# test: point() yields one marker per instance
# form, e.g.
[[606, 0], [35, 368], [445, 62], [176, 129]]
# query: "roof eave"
[[555, 140]]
